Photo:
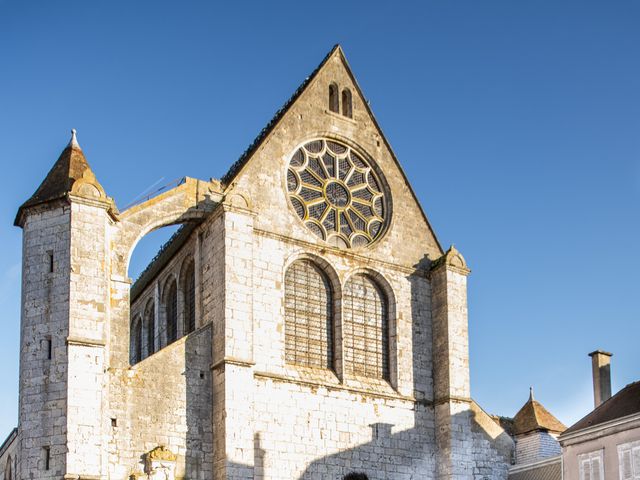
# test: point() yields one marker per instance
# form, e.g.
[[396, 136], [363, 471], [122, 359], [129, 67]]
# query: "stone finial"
[[531, 399], [73, 143], [454, 259]]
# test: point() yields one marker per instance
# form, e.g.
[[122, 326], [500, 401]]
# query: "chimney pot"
[[601, 369]]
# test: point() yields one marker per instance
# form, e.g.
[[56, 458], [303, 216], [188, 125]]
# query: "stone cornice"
[[452, 399], [338, 387]]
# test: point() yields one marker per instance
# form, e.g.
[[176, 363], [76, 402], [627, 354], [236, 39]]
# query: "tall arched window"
[[150, 327], [7, 471], [308, 316], [347, 110], [135, 354], [333, 98], [366, 328], [171, 311], [189, 292]]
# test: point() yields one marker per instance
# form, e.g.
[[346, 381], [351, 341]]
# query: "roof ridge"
[[257, 141]]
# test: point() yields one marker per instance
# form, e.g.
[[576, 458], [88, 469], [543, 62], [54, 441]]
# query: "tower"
[[63, 321]]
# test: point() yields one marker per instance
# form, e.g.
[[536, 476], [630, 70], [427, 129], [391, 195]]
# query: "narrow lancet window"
[[189, 290], [171, 311], [150, 327], [347, 110], [333, 98]]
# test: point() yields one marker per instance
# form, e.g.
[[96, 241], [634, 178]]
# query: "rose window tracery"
[[336, 193]]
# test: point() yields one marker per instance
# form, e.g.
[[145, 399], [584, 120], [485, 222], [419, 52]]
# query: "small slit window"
[[347, 110], [50, 261], [333, 98], [47, 458], [366, 328], [308, 316]]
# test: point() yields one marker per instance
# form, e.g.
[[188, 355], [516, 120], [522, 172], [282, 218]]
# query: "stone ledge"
[[339, 388], [85, 342], [231, 361]]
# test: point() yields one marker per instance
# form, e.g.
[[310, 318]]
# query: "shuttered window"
[[629, 460], [190, 299], [591, 466], [366, 328], [308, 316], [171, 309]]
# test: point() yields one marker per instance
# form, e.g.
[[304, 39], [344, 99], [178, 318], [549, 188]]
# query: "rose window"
[[336, 193]]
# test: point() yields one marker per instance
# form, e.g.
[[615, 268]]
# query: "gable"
[[261, 174]]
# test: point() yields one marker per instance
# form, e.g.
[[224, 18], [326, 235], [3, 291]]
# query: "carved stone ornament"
[[161, 464], [337, 194]]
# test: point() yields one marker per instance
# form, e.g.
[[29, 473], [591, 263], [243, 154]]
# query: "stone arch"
[[192, 200]]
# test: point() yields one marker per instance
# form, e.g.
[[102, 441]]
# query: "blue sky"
[[517, 123]]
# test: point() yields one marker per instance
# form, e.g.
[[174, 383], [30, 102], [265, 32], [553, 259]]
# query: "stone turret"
[[63, 321], [536, 432]]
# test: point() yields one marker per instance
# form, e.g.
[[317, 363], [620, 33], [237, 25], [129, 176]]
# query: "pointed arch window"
[[7, 471], [347, 110], [136, 341], [334, 98], [150, 327], [308, 316], [189, 292], [366, 328], [171, 311]]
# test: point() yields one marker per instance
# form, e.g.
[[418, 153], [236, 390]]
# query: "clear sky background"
[[517, 123]]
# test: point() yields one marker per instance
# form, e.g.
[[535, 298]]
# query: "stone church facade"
[[304, 323]]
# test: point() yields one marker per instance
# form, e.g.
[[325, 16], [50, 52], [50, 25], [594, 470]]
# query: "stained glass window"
[[337, 194], [366, 328], [308, 316]]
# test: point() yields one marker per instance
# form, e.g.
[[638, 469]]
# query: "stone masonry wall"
[[45, 312], [168, 397]]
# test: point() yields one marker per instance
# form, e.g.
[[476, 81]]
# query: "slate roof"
[[625, 402], [548, 471], [533, 416], [69, 167]]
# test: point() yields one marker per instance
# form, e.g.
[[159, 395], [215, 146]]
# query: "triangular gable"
[[230, 177]]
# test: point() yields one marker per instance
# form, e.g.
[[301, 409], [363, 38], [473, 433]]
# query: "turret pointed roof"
[[534, 417], [70, 167]]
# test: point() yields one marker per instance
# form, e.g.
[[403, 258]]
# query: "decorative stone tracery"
[[337, 194]]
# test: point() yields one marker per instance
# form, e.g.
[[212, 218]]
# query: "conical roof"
[[70, 167], [533, 416]]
